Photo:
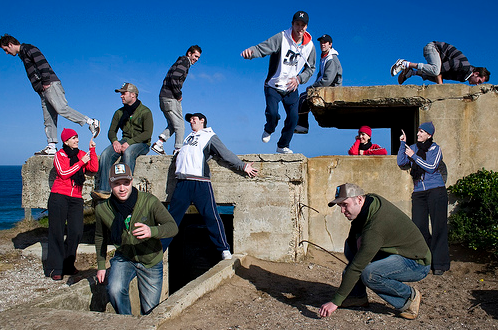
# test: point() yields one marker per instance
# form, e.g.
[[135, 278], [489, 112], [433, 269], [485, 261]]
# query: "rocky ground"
[[267, 295]]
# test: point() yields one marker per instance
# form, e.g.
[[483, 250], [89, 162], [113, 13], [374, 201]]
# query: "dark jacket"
[[148, 210], [37, 68], [138, 129], [173, 82], [385, 229]]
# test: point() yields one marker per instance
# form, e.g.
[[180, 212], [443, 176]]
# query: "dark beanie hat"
[[428, 127]]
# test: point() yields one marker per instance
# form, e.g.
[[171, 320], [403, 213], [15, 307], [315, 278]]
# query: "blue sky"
[[95, 46]]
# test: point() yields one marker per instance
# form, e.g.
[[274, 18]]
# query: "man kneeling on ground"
[[384, 248]]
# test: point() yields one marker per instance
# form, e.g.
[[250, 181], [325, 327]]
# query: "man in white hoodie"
[[194, 179], [290, 51], [329, 74]]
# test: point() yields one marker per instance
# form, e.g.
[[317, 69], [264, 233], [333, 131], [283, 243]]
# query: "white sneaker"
[[94, 127], [158, 149], [300, 130], [47, 151], [284, 150], [265, 137], [397, 67], [225, 255]]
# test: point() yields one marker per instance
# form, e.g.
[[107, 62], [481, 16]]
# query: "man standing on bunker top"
[[170, 99], [194, 179], [46, 83], [444, 61], [290, 51], [329, 74]]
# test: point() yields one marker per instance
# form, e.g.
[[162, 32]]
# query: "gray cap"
[[127, 87], [344, 191]]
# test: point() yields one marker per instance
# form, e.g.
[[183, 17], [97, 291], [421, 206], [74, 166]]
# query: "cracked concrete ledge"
[[41, 314]]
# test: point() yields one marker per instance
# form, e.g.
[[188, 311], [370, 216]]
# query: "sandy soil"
[[267, 295]]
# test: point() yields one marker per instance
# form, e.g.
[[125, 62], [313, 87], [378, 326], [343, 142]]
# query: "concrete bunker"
[[192, 253], [394, 114], [268, 222]]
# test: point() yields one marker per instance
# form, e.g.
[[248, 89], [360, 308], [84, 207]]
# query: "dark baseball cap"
[[301, 16], [344, 191], [325, 38], [120, 171], [198, 115]]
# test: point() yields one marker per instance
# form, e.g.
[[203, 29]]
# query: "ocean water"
[[10, 197]]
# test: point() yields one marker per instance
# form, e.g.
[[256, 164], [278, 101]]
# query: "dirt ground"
[[268, 295]]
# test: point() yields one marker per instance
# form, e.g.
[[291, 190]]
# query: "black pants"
[[62, 254], [433, 203]]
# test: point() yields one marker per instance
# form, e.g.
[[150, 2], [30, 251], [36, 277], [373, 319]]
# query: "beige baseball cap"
[[344, 191], [127, 87]]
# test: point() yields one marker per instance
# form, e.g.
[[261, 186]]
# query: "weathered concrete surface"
[[375, 174], [267, 221], [76, 307], [465, 118]]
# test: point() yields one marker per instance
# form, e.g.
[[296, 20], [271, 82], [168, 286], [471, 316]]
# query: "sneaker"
[[99, 194], [355, 301], [411, 312], [94, 127], [300, 130], [284, 150], [265, 137], [405, 74], [176, 151], [48, 151], [397, 67], [158, 149], [225, 255]]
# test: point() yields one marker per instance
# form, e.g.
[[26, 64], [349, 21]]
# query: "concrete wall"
[[465, 117], [287, 203], [267, 221], [377, 174]]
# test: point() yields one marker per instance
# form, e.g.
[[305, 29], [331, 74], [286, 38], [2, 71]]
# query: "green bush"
[[475, 221]]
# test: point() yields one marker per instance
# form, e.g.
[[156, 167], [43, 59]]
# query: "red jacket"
[[63, 184], [375, 149]]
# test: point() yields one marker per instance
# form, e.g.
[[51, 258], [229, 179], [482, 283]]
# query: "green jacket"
[[386, 229], [136, 130], [148, 210]]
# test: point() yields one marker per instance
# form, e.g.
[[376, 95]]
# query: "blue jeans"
[[291, 105], [432, 69], [53, 101], [385, 277], [172, 110], [202, 195], [150, 283], [109, 157]]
